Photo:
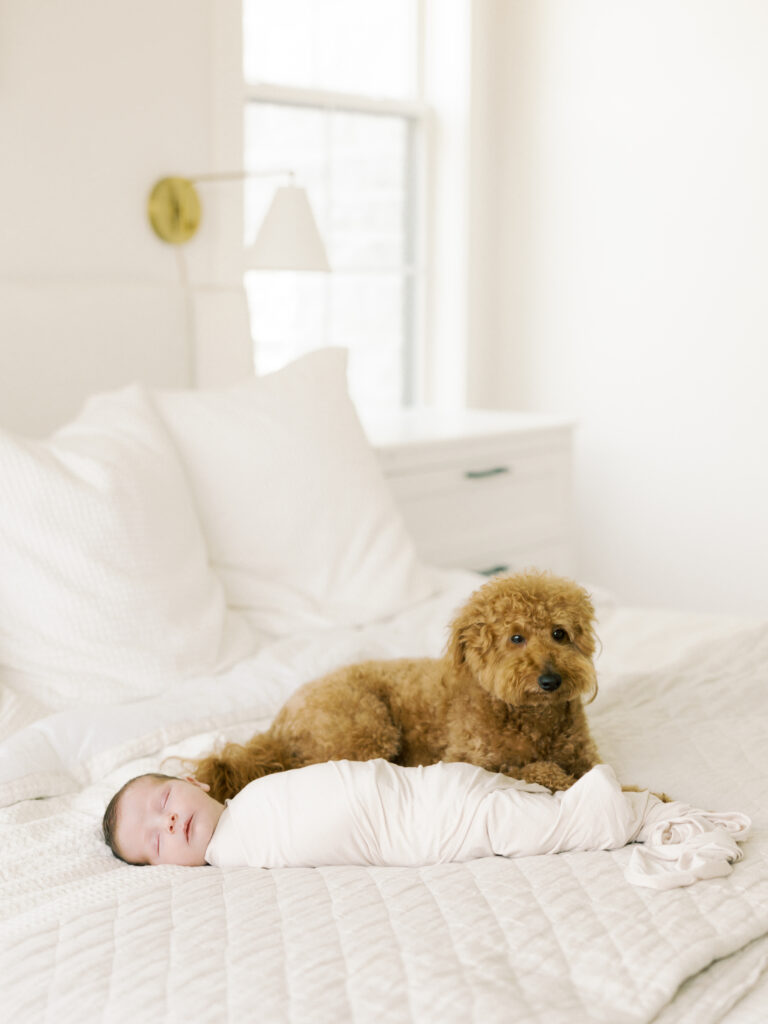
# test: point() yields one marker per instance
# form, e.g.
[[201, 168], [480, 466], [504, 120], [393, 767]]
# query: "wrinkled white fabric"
[[681, 844], [375, 812]]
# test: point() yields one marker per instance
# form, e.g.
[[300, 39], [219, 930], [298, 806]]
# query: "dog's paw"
[[641, 789], [546, 773]]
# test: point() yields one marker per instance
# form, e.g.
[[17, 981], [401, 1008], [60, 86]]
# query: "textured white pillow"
[[106, 593], [299, 521]]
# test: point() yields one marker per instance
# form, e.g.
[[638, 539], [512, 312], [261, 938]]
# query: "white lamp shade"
[[288, 238]]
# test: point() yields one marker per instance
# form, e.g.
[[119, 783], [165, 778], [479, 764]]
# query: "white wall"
[[98, 98], [631, 279], [618, 213]]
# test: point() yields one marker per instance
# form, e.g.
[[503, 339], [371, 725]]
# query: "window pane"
[[356, 168], [295, 313], [361, 46]]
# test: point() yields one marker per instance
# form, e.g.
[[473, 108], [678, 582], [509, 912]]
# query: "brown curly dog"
[[507, 695]]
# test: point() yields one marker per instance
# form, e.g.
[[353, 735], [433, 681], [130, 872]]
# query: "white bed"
[[84, 937]]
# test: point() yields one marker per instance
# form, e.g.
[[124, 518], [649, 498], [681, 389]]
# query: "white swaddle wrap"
[[375, 812]]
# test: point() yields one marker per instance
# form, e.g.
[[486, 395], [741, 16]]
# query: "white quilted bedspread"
[[543, 939]]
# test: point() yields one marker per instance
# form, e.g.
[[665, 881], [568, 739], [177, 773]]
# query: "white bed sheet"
[[82, 937]]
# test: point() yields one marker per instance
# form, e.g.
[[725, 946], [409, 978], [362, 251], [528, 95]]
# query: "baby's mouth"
[[187, 827]]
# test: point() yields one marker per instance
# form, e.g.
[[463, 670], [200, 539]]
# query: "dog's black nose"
[[550, 681]]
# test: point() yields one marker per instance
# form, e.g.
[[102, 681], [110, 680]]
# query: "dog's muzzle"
[[550, 681]]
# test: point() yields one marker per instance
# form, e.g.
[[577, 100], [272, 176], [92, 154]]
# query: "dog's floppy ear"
[[469, 633], [584, 622], [457, 646]]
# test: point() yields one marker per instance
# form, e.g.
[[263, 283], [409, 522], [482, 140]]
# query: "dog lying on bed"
[[506, 696]]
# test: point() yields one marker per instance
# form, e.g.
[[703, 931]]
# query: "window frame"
[[415, 114], [454, 215], [230, 94]]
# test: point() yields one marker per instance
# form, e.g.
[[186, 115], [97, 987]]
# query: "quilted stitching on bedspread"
[[535, 941]]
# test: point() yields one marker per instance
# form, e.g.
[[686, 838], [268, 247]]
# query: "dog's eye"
[[517, 639], [560, 636]]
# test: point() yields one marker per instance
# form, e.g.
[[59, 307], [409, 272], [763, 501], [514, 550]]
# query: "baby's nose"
[[172, 822]]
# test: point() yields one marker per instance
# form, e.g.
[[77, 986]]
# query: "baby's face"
[[166, 821]]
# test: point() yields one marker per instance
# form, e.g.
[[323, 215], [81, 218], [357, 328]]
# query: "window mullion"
[[264, 92]]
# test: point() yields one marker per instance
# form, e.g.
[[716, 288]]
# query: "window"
[[332, 92]]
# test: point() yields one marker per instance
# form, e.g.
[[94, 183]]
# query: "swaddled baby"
[[379, 813]]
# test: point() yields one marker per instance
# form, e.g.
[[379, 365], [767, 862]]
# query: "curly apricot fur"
[[481, 702]]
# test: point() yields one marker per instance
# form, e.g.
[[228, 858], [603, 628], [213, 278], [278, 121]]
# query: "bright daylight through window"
[[332, 94]]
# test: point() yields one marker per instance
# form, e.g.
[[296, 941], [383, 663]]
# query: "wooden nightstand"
[[488, 491]]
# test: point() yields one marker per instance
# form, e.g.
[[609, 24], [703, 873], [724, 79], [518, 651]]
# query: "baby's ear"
[[196, 782]]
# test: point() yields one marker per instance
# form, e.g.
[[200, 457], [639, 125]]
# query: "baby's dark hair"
[[109, 821]]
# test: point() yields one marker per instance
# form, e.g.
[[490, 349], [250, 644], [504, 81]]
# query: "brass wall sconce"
[[288, 238]]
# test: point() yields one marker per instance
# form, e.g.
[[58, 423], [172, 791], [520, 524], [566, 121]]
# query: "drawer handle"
[[495, 570], [482, 474]]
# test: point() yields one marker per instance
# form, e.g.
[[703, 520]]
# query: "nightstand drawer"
[[554, 554], [481, 490], [485, 477], [485, 509]]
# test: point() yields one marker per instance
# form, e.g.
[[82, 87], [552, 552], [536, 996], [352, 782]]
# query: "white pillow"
[[106, 593], [300, 523]]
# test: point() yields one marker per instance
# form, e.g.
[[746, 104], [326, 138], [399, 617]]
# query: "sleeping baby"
[[379, 813]]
